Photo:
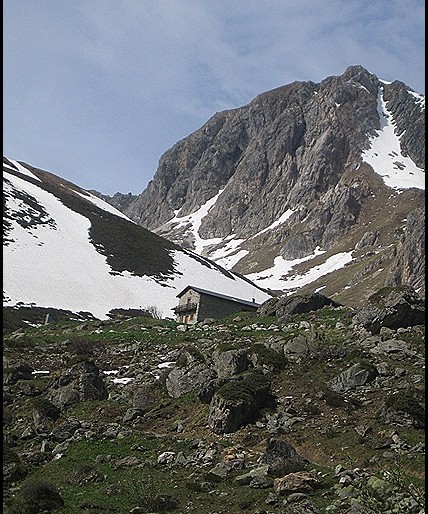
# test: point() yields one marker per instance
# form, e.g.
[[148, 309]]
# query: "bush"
[[37, 496], [155, 312], [158, 503]]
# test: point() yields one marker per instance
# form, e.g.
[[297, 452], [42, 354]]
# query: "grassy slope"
[[326, 438]]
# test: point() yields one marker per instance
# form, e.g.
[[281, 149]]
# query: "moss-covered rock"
[[238, 402]]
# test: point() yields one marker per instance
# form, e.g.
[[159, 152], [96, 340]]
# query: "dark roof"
[[218, 295]]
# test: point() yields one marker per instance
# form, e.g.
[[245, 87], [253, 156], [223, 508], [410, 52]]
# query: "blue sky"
[[96, 90]]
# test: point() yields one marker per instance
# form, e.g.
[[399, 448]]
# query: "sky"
[[95, 91]]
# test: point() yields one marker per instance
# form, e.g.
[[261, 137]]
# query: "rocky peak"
[[278, 137], [286, 175]]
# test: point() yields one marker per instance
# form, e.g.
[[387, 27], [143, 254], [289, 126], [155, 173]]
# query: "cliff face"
[[289, 174]]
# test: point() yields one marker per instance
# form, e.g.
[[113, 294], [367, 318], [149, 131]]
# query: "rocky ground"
[[306, 406]]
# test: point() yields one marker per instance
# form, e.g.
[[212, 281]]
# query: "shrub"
[[155, 312], [158, 503], [37, 496]]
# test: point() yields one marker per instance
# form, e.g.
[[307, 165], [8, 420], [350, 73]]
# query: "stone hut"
[[196, 304]]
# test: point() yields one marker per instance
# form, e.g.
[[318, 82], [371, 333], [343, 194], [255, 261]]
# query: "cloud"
[[89, 86]]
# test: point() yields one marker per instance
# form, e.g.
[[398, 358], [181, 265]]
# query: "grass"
[[326, 436], [119, 489]]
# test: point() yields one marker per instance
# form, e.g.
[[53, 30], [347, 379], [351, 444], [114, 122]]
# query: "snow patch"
[[385, 157]]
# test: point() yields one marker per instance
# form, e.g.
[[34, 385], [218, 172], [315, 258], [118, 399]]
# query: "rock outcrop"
[[79, 383], [391, 307], [294, 304], [238, 402]]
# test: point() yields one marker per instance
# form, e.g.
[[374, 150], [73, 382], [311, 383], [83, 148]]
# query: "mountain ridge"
[[309, 187], [65, 248], [300, 169]]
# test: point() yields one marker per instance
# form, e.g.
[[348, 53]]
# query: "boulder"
[[81, 382], [296, 349], [65, 430], [391, 307], [190, 372], [238, 402], [230, 362], [356, 375], [145, 398], [281, 458], [301, 481], [284, 306]]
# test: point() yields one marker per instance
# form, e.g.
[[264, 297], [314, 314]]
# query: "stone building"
[[196, 304]]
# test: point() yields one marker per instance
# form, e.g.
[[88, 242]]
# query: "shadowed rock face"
[[297, 148], [409, 265], [393, 308], [79, 383]]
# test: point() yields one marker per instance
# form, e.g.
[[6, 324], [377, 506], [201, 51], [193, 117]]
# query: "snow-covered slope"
[[64, 248]]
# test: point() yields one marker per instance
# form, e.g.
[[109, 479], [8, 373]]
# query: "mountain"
[[310, 186], [66, 249], [120, 201]]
